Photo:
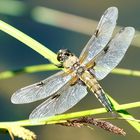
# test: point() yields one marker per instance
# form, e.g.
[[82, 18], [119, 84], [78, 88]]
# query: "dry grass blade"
[[92, 121]]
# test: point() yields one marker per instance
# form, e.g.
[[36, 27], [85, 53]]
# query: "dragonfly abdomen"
[[95, 87], [100, 94]]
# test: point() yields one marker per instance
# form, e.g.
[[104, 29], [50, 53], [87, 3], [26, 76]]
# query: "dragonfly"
[[66, 88]]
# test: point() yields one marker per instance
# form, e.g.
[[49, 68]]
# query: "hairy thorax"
[[70, 61], [73, 63]]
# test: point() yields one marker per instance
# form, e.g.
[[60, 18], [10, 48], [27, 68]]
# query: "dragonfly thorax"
[[80, 70], [71, 62]]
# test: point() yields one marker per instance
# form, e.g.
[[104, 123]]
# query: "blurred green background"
[[13, 54]]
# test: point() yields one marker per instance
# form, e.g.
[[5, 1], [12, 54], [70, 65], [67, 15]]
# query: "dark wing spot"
[[106, 49], [40, 84], [96, 33], [55, 96]]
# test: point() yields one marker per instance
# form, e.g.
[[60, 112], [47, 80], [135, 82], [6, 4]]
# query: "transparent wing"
[[63, 100], [41, 89], [113, 53], [102, 35]]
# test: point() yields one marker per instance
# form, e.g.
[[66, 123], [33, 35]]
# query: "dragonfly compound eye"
[[63, 54]]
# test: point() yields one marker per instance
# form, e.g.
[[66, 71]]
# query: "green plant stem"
[[38, 47], [128, 72], [64, 117], [51, 67], [28, 69], [123, 113]]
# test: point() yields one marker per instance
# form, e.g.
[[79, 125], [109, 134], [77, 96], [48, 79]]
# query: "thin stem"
[[51, 67], [125, 114], [64, 117], [38, 47]]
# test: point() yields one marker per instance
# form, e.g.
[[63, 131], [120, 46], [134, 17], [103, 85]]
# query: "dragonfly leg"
[[59, 65]]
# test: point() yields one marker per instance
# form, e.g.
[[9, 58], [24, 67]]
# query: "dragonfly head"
[[63, 55]]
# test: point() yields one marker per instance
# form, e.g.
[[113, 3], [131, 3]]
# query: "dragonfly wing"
[[109, 58], [102, 35], [63, 100], [41, 89]]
